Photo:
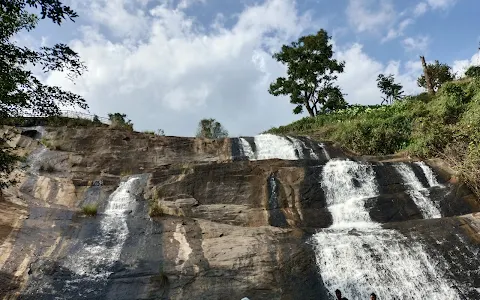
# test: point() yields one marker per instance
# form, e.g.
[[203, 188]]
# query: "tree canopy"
[[388, 87], [211, 129], [118, 120], [21, 91], [473, 71], [439, 74], [311, 75]]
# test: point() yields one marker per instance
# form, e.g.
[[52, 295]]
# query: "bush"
[[473, 72], [155, 210], [120, 121], [90, 209]]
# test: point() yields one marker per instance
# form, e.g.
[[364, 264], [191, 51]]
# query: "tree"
[[20, 91], [211, 129], [118, 120], [473, 71], [388, 87], [439, 74], [311, 74]]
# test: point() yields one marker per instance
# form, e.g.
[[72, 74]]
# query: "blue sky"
[[169, 63]]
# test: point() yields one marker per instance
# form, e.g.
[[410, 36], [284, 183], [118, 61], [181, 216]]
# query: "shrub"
[[473, 72], [119, 120], [155, 210], [161, 279], [90, 209]]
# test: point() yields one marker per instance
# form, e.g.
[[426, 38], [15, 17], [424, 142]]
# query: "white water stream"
[[270, 146], [358, 257], [419, 194], [95, 258]]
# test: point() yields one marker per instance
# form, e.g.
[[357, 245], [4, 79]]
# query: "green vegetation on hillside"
[[446, 125], [21, 91]]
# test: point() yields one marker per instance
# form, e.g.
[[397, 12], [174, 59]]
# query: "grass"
[[90, 209], [51, 121], [155, 210], [446, 125], [126, 173], [161, 279], [52, 145]]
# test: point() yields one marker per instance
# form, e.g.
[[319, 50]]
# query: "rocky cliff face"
[[233, 218]]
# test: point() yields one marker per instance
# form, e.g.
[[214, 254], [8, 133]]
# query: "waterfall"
[[95, 258], [417, 192], [270, 146], [428, 172], [347, 205], [246, 149], [358, 257]]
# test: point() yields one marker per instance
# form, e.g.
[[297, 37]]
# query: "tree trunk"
[[428, 81], [309, 109]]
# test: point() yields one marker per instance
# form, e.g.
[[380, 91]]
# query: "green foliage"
[[446, 125], [473, 72], [159, 132], [8, 160], [20, 90], [161, 279], [211, 129], [439, 74], [96, 119], [155, 210], [311, 75], [388, 87], [119, 120], [90, 209]]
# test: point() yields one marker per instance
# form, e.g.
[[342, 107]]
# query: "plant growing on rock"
[[119, 120], [90, 209], [211, 129], [155, 210], [21, 91]]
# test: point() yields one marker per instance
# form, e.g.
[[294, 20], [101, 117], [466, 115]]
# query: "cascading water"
[[431, 178], [270, 146], [358, 257], [246, 149], [94, 260], [419, 194]]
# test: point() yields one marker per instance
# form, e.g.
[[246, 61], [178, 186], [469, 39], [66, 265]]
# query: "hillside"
[[446, 125]]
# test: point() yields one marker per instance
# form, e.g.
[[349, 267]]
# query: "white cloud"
[[177, 73], [441, 4], [169, 72], [399, 31], [417, 44], [370, 15], [420, 9], [460, 66], [361, 71]]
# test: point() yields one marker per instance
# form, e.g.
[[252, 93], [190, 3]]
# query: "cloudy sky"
[[169, 63]]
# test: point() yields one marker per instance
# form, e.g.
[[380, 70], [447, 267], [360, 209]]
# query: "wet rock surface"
[[226, 228]]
